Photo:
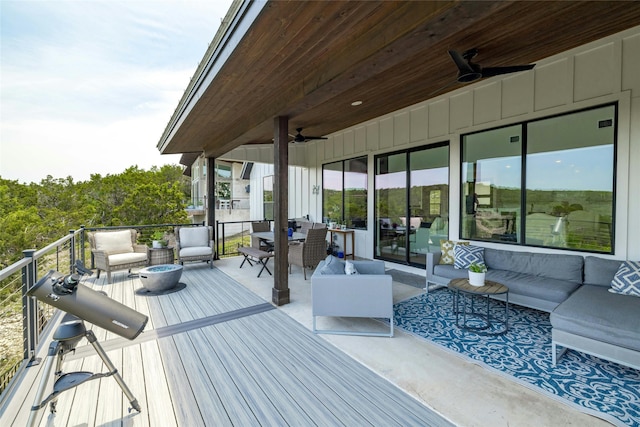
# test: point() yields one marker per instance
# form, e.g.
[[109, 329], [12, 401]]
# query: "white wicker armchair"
[[309, 253]]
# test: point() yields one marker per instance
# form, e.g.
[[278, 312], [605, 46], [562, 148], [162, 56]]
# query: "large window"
[[412, 196], [344, 192], [548, 182]]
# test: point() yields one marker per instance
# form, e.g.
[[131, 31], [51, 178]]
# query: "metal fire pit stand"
[[66, 337]]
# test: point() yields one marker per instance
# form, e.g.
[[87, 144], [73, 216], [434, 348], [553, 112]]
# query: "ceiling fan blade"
[[299, 137], [496, 71], [461, 63]]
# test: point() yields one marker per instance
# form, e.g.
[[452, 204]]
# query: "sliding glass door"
[[412, 203]]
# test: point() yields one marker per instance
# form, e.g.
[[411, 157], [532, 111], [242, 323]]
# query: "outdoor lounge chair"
[[117, 250], [195, 244]]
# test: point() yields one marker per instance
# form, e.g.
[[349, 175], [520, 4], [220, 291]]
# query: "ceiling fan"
[[469, 71], [299, 137]]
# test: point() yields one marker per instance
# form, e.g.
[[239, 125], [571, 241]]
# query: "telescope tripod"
[[66, 337]]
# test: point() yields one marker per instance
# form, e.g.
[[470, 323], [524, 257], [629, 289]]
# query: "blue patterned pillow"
[[627, 279], [467, 255], [332, 266]]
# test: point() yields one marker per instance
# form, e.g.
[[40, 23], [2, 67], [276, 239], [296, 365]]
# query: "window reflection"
[[344, 193], [570, 179], [567, 200], [412, 210], [491, 184]]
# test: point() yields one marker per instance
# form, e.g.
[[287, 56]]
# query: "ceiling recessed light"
[[356, 103]]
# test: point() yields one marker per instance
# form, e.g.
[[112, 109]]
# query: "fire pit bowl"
[[160, 278]]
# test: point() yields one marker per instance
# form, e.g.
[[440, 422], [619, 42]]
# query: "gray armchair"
[[309, 253], [195, 244]]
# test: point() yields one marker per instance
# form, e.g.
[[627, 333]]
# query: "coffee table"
[[480, 322]]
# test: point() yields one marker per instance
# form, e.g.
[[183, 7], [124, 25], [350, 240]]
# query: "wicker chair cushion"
[[127, 258], [194, 237], [195, 251], [114, 242]]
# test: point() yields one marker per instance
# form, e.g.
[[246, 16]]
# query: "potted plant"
[[158, 240], [477, 272]]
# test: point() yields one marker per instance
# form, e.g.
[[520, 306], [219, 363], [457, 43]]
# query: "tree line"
[[35, 215]]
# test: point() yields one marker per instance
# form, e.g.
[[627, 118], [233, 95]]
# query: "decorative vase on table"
[[476, 273], [476, 279]]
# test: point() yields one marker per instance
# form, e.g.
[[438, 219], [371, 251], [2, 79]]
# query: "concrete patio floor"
[[463, 392]]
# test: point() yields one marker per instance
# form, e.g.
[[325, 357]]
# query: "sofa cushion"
[[627, 279], [450, 272], [447, 248], [465, 255], [332, 266], [196, 251], [600, 271], [528, 285], [114, 242], [595, 313], [553, 266], [194, 237]]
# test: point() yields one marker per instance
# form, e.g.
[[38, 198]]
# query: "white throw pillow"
[[349, 268], [114, 242]]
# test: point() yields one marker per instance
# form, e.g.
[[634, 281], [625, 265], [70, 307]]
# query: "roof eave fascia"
[[239, 18]]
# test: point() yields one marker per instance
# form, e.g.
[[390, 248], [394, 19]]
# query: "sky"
[[87, 86]]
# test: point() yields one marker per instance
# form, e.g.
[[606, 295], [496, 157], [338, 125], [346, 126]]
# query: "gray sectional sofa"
[[584, 315]]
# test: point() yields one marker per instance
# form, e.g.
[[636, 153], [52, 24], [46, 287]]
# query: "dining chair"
[[309, 253]]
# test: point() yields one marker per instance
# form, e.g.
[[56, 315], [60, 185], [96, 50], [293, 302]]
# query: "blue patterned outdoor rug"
[[599, 387]]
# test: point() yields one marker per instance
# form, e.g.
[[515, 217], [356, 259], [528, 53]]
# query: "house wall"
[[601, 72], [301, 199]]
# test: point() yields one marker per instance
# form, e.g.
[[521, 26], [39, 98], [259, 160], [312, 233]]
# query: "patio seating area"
[[214, 353]]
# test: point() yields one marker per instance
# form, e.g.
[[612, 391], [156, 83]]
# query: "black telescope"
[[67, 294]]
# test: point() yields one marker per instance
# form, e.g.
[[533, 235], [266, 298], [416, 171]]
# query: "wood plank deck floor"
[[214, 353]]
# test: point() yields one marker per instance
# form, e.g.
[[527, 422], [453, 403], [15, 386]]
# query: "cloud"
[[88, 87]]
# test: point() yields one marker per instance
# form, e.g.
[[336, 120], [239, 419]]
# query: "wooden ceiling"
[[309, 60]]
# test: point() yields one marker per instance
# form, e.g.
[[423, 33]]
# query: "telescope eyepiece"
[[66, 285]]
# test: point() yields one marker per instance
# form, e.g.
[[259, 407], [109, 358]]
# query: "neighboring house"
[[231, 196]]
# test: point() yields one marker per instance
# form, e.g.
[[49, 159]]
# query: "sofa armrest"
[[433, 259]]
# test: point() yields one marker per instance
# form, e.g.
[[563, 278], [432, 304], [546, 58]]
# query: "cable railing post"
[[82, 256], [29, 305], [217, 230], [72, 251]]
